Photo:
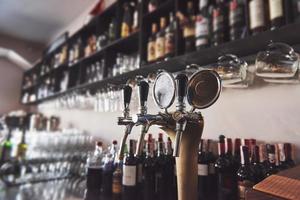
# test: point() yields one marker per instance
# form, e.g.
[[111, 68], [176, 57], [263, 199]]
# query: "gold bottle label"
[[125, 30], [116, 186], [151, 51], [160, 47], [169, 43]]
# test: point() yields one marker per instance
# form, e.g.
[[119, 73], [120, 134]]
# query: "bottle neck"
[[245, 155], [160, 150], [255, 154], [221, 148], [271, 154], [228, 146], [149, 150]]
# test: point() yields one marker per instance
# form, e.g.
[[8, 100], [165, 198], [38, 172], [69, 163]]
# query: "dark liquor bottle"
[[202, 171], [149, 171], [289, 152], [151, 44], [189, 29], [256, 167], [117, 182], [282, 158], [244, 174], [271, 167], [127, 21], [202, 32], [153, 4], [237, 19], [263, 159], [160, 174], [129, 182], [237, 155], [6, 149], [160, 40], [224, 172], [212, 176], [258, 16], [170, 172], [277, 13], [170, 37], [220, 23], [233, 167], [135, 24], [296, 10]]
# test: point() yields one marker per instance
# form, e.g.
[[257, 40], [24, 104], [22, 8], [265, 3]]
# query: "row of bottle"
[[218, 21], [235, 170]]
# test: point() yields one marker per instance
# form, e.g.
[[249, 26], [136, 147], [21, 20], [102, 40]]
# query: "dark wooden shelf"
[[135, 43]]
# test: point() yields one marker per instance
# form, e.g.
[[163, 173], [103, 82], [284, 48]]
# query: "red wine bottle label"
[[218, 20], [276, 9], [257, 13], [129, 175], [236, 13], [202, 169], [202, 30], [242, 188]]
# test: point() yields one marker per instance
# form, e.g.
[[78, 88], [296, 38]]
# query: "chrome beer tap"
[[126, 120]]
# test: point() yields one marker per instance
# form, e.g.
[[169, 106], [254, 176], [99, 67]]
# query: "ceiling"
[[39, 20]]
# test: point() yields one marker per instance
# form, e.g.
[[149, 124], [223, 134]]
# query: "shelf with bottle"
[[156, 8]]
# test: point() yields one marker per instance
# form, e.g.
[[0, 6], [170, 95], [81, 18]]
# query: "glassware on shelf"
[[233, 71], [279, 63]]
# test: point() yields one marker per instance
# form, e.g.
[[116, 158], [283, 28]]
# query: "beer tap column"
[[126, 119]]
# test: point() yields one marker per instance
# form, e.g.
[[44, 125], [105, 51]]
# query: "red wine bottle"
[[212, 182], [255, 164], [237, 155], [224, 173], [258, 16], [289, 151], [202, 172], [220, 23], [237, 19], [244, 173], [277, 13], [170, 172], [271, 166], [129, 182]]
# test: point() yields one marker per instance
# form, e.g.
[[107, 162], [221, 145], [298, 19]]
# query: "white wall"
[[270, 113]]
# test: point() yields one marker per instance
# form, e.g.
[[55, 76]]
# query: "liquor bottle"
[[263, 159], [149, 171], [77, 50], [129, 181], [109, 168], [95, 168], [6, 149], [289, 152], [160, 40], [258, 16], [202, 171], [111, 31], [222, 166], [171, 182], [237, 19], [170, 37], [237, 151], [271, 167], [117, 182], [151, 44], [244, 174], [22, 147], [135, 24], [212, 176], [189, 29], [220, 29], [282, 158], [277, 13], [202, 32], [160, 174], [153, 4], [127, 21], [233, 167], [256, 167]]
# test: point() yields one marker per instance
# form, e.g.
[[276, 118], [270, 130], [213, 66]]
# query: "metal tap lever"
[[143, 95], [181, 81]]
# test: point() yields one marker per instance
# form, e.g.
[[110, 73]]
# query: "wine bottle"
[[282, 158], [220, 23], [263, 159], [233, 167], [117, 182], [129, 181], [22, 147], [153, 4], [170, 37], [223, 171], [277, 13], [151, 44], [170, 172], [289, 150], [237, 155], [160, 40], [127, 21], [149, 171], [271, 166], [256, 167], [202, 32], [258, 16], [189, 29], [237, 19], [212, 176], [202, 172], [244, 174], [6, 149]]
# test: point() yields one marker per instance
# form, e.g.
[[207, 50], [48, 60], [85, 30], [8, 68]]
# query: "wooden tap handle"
[[187, 162]]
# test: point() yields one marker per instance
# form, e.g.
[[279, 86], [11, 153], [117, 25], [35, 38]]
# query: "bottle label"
[[271, 158], [211, 168], [117, 186], [203, 3], [189, 30], [242, 188], [151, 51], [125, 30], [129, 175], [257, 13], [236, 13], [218, 20], [169, 43], [160, 47], [202, 170], [276, 9], [202, 27]]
